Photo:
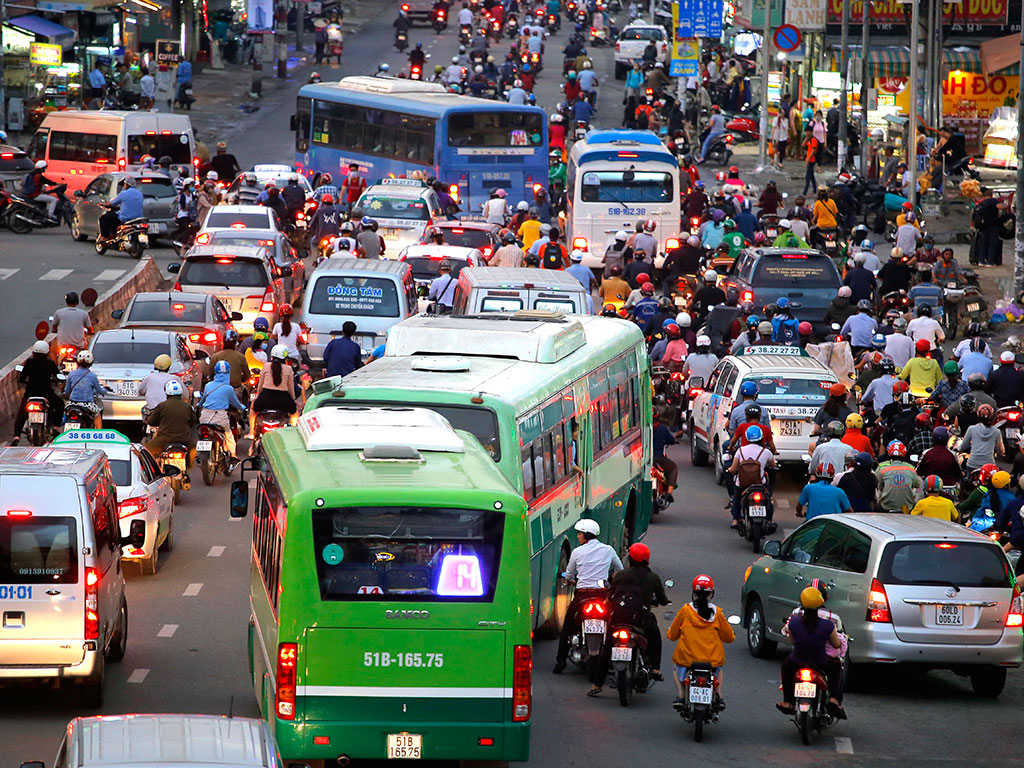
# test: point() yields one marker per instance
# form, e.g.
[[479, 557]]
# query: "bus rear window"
[[410, 554], [781, 271], [38, 550], [495, 129], [358, 296], [613, 187]]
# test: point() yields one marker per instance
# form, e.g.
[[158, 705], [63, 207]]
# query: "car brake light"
[[805, 675], [238, 225], [878, 603], [522, 677], [92, 615], [6, 155], [226, 260], [19, 513], [747, 296], [694, 391], [618, 47], [579, 242], [121, 162], [210, 338], [287, 654], [177, 286], [486, 250], [671, 244], [203, 238], [1015, 618], [268, 302], [457, 231], [303, 333], [135, 506]]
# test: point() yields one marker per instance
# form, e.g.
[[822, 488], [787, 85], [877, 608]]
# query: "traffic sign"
[[685, 60], [787, 38]]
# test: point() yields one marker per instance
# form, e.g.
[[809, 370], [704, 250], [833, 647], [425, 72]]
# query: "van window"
[[555, 305], [162, 145], [500, 304], [38, 550], [37, 147], [121, 469], [944, 563], [83, 147], [354, 296], [394, 208]]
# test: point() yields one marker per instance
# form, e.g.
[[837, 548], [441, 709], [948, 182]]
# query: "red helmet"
[[805, 328], [327, 199], [649, 225], [837, 390], [986, 412], [286, 310], [826, 470], [759, 238], [647, 288], [640, 553], [923, 345], [642, 278], [923, 420], [933, 484], [908, 206], [896, 448], [703, 583], [899, 387], [986, 472], [734, 170], [672, 331]]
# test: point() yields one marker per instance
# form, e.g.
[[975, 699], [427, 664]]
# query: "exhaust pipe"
[[714, 718], [343, 760]]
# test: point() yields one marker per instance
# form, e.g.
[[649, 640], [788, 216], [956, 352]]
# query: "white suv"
[[631, 43]]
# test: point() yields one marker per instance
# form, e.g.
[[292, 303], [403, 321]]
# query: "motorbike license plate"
[[179, 463], [973, 307], [144, 239], [758, 510], [805, 690], [72, 425], [949, 615], [1012, 433], [204, 445], [622, 653], [36, 417], [790, 428], [68, 366], [700, 695], [127, 389], [593, 627], [405, 746]]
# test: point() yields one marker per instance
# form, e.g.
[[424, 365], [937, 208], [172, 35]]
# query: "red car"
[[467, 234]]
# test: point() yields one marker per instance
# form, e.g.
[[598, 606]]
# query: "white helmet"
[[586, 64], [785, 223], [84, 357], [703, 341], [585, 525], [40, 165], [621, 235], [710, 276], [279, 352], [478, 69], [173, 388], [517, 84], [212, 176], [522, 205], [40, 348], [576, 255], [683, 320], [293, 177], [455, 59]]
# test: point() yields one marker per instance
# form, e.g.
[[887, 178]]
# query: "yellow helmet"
[[854, 421], [1000, 479], [162, 362], [811, 598]]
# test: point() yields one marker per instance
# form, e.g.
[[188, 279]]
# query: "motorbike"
[[77, 417], [974, 305], [588, 642], [325, 247], [131, 237], [401, 40], [754, 508], [67, 358], [701, 703], [1008, 421], [511, 27], [811, 696], [952, 297], [21, 215], [828, 239], [554, 23], [630, 667], [210, 454], [743, 128], [465, 32], [267, 421], [770, 222], [440, 20], [38, 427], [661, 501], [175, 455], [185, 236], [898, 300], [720, 150]]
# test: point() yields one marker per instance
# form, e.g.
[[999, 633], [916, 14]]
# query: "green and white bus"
[[389, 590], [562, 403]]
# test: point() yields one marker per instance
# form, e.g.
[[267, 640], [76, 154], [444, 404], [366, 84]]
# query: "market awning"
[[37, 25], [885, 62], [962, 59], [1000, 53]]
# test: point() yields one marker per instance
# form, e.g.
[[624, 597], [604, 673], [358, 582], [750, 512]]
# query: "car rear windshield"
[[785, 271], [944, 564], [466, 238], [156, 189], [412, 554], [227, 271], [159, 146], [15, 161], [167, 311], [358, 296], [779, 390], [128, 352], [426, 268], [41, 550], [614, 187], [643, 33], [394, 208], [121, 471], [237, 220]]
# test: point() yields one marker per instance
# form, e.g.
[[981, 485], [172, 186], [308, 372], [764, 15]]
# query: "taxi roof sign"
[[404, 182], [772, 349], [272, 168], [78, 436]]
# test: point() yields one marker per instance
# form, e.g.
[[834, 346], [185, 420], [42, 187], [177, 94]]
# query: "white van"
[[80, 145], [61, 584], [505, 289]]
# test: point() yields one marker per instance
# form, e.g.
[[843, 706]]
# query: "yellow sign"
[[45, 54], [688, 49]]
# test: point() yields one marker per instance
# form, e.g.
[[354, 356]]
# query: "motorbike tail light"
[[728, 138], [747, 296], [618, 47], [695, 221], [522, 678], [300, 216], [92, 608], [701, 681], [287, 656], [579, 242], [757, 497], [621, 635], [805, 675], [35, 407], [1013, 416], [175, 454], [1015, 617], [596, 608], [267, 305], [405, 7], [672, 243], [135, 506], [878, 604]]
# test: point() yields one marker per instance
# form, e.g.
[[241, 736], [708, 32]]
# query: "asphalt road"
[[186, 647]]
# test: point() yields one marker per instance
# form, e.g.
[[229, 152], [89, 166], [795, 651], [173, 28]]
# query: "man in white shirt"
[[590, 566], [465, 16], [924, 326], [898, 345]]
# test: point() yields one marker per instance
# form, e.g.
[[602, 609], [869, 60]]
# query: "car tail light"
[[747, 296], [195, 162], [92, 615], [1015, 618], [805, 675], [203, 238], [579, 242], [287, 654], [522, 678], [878, 603], [591, 609], [121, 162], [34, 408], [672, 243], [757, 497], [135, 506], [22, 513], [618, 47], [267, 304], [487, 250], [694, 391], [226, 260]]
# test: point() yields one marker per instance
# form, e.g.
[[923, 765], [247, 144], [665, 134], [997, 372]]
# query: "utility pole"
[[3, 78], [300, 19], [915, 34], [844, 69], [1018, 240], [762, 150], [865, 68]]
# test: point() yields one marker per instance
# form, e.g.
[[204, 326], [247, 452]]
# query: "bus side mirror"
[[292, 123], [239, 498]]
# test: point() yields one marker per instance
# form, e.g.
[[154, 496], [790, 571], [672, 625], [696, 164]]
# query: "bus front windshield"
[[626, 187]]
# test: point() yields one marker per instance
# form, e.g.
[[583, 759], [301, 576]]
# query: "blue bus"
[[397, 128]]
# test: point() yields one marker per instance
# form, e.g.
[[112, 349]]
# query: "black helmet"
[[509, 237], [924, 310], [752, 412], [976, 381], [835, 429], [71, 297], [532, 260], [864, 304], [968, 403], [974, 329], [887, 366]]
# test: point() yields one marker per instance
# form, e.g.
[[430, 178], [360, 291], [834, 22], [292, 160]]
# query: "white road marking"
[[844, 744], [167, 630], [109, 274], [138, 675], [192, 589], [215, 552], [7, 272], [781, 503], [235, 519], [56, 274]]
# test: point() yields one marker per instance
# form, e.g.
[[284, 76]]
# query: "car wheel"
[[698, 457], [168, 542], [151, 563], [757, 641], [119, 644], [988, 681], [76, 229]]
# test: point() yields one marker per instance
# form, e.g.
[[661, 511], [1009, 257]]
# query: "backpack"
[[28, 184], [787, 331], [627, 596], [552, 256], [749, 471]]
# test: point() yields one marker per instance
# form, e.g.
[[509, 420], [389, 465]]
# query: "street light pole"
[[1018, 239], [844, 67], [865, 37], [762, 149], [915, 23], [3, 78]]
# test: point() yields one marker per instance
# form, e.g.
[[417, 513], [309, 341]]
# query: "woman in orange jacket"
[[699, 630]]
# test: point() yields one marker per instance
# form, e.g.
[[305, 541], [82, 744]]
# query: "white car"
[[402, 208], [239, 217], [425, 260], [631, 43], [143, 491]]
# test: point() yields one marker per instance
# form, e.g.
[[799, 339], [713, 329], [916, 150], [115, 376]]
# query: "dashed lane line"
[[138, 675], [56, 274], [844, 745], [167, 630], [216, 551], [192, 589], [7, 272]]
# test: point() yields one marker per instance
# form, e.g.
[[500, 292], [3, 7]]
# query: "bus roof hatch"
[[379, 432]]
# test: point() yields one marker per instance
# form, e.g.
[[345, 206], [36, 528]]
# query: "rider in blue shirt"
[[126, 206]]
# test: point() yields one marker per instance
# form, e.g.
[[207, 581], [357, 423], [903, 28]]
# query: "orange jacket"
[[698, 639]]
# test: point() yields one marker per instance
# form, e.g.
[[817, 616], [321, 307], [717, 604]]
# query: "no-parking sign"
[[787, 38]]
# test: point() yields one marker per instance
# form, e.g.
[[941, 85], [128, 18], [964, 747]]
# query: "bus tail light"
[[92, 610], [579, 242], [522, 679], [287, 653], [121, 163], [878, 603]]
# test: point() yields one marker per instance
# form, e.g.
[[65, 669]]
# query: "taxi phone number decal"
[[385, 659], [627, 211]]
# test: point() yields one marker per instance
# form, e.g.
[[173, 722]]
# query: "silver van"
[[62, 596], [909, 589], [505, 289], [167, 741], [373, 294]]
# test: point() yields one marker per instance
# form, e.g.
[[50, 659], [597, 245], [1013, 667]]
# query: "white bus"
[[614, 179]]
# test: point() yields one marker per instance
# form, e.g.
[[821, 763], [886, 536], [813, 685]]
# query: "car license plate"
[[204, 445], [144, 239], [949, 615], [405, 746], [973, 307], [622, 653], [127, 389], [1012, 433], [593, 627], [790, 428], [36, 417], [758, 510], [805, 690], [388, 233], [700, 695]]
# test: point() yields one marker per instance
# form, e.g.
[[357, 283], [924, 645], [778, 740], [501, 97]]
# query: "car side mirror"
[[176, 368], [237, 316], [285, 271], [696, 382], [772, 548], [292, 122], [239, 498], [136, 534], [117, 314], [174, 268], [170, 471]]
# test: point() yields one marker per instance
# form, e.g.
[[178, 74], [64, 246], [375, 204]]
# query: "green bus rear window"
[[407, 554]]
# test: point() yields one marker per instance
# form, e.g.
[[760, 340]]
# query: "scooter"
[[770, 222], [754, 501], [440, 20], [811, 694], [701, 703], [401, 40], [131, 237], [267, 421], [175, 455], [77, 417], [21, 214], [588, 642], [210, 454], [1008, 421], [631, 669]]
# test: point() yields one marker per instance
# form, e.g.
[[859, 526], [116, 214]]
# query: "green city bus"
[[561, 403], [389, 589]]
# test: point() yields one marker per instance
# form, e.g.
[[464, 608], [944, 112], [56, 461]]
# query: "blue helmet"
[[878, 340], [867, 245], [748, 389], [753, 321], [782, 303], [698, 184], [668, 321], [261, 324], [754, 434], [221, 366]]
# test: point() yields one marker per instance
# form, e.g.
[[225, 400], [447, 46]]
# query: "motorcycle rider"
[[699, 631], [126, 206], [218, 398], [33, 185], [152, 386], [859, 483], [633, 592], [234, 358], [922, 371], [708, 296], [174, 420], [820, 497], [700, 362], [1006, 382], [811, 634], [401, 24], [248, 191], [71, 323], [38, 373], [276, 388], [950, 389], [752, 413], [83, 387], [934, 504], [745, 473], [589, 566], [224, 163], [898, 482], [326, 221], [833, 451]]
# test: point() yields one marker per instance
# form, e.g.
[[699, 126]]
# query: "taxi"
[[791, 386], [403, 209], [143, 491]]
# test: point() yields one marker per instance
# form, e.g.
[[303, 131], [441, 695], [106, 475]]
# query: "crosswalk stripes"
[[6, 272], [56, 274], [108, 275]]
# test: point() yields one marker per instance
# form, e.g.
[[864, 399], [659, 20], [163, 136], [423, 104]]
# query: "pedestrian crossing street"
[[85, 276]]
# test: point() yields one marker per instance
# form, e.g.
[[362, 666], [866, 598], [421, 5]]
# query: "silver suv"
[[911, 590]]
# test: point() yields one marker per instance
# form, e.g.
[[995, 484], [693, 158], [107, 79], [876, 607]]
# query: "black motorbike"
[[770, 223], [588, 642], [211, 455], [720, 151], [465, 32], [440, 20], [23, 214], [754, 524], [77, 417], [811, 694], [631, 670], [267, 421], [701, 703], [131, 237], [401, 40]]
